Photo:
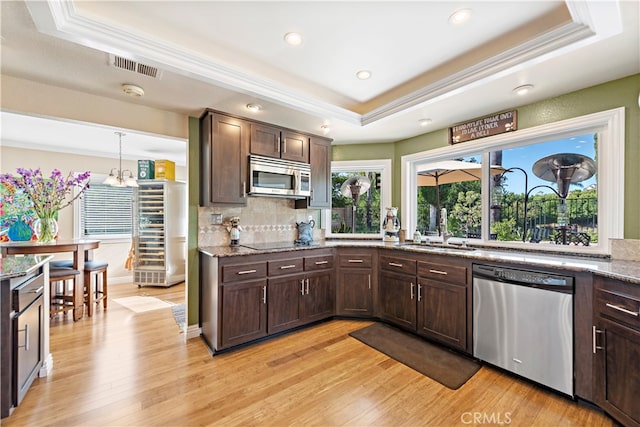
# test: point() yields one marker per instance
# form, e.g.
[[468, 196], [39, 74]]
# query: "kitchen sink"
[[439, 246]]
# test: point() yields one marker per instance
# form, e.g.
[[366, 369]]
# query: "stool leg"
[[104, 289], [88, 292]]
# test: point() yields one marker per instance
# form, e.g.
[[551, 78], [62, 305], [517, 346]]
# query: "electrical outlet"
[[216, 218]]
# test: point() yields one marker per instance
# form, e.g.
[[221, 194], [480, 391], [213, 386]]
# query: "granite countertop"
[[15, 266], [628, 271]]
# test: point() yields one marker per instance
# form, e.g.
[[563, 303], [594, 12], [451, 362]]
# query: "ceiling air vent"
[[136, 67]]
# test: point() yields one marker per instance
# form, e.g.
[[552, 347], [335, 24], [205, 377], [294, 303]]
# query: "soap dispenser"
[[417, 237]]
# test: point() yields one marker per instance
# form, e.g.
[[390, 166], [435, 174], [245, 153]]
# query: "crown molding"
[[591, 22]]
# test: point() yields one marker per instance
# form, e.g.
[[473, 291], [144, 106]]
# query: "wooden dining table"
[[82, 250]]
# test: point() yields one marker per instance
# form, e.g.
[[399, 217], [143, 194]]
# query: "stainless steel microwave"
[[279, 178]]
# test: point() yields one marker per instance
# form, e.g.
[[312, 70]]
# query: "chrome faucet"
[[445, 237]]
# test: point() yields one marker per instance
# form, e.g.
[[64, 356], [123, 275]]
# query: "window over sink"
[[524, 192]]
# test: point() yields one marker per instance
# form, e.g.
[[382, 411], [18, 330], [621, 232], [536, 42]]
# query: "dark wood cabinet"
[[299, 298], [224, 147], [272, 141], [357, 282], [426, 297], [616, 347], [285, 306], [320, 160], [22, 308], [442, 303], [398, 299], [244, 312], [250, 297], [319, 301]]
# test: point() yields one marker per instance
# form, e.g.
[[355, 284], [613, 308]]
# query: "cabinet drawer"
[[443, 272], [622, 307], [285, 266], [400, 265], [249, 271], [356, 261], [320, 262]]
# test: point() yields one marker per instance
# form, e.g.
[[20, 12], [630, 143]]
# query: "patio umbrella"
[[447, 172]]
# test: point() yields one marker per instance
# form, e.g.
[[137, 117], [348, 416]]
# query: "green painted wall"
[[193, 265], [618, 93]]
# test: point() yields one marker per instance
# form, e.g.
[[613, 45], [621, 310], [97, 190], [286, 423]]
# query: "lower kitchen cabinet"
[[303, 298], [246, 298], [616, 347], [319, 300], [397, 299], [442, 303], [244, 312], [357, 283], [285, 308], [22, 308], [429, 298]]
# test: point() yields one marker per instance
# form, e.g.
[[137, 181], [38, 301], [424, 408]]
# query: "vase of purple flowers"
[[47, 196]]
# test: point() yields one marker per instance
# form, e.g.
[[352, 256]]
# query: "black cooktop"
[[277, 245]]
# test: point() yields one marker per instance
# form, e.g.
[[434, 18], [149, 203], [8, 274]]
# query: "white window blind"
[[106, 210]]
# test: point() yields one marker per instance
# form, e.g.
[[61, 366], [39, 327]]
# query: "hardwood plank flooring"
[[121, 368]]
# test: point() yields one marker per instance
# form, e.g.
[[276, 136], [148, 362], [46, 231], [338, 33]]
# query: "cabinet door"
[[224, 146], [442, 312], [617, 377], [398, 299], [265, 140], [295, 146], [355, 293], [320, 296], [244, 312], [320, 159], [284, 301]]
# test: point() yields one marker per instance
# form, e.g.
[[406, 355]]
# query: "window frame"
[[77, 218], [380, 165], [609, 125]]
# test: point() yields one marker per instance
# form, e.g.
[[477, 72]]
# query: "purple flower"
[[48, 195]]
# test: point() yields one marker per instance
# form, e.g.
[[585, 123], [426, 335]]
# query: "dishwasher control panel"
[[522, 276]]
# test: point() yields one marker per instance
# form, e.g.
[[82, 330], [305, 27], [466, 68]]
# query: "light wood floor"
[[120, 368]]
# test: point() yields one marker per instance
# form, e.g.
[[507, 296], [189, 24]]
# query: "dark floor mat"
[[438, 363]]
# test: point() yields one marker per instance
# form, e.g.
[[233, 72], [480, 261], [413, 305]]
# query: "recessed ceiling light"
[[523, 90], [254, 108], [460, 16], [293, 39], [132, 90], [363, 74], [325, 129], [425, 122]]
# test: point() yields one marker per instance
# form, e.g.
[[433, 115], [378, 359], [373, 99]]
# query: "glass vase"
[[45, 229]]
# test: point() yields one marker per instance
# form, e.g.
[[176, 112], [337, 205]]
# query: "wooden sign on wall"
[[483, 127]]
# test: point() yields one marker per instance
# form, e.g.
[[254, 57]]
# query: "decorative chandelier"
[[119, 177]]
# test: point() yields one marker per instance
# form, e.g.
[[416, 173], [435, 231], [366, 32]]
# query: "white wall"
[[115, 253]]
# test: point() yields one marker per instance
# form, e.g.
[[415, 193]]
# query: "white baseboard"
[[47, 366], [193, 331]]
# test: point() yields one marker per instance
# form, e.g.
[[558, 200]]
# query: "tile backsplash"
[[264, 219]]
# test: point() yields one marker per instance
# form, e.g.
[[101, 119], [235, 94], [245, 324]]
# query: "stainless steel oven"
[[279, 178]]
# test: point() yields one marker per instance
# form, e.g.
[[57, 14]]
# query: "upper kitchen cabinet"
[[272, 141], [320, 159], [224, 147]]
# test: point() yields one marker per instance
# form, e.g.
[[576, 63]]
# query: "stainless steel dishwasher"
[[523, 322]]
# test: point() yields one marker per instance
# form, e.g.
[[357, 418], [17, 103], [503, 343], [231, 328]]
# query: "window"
[[369, 205], [105, 211], [576, 216]]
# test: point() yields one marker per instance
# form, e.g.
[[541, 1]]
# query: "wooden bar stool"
[[95, 280], [62, 286]]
